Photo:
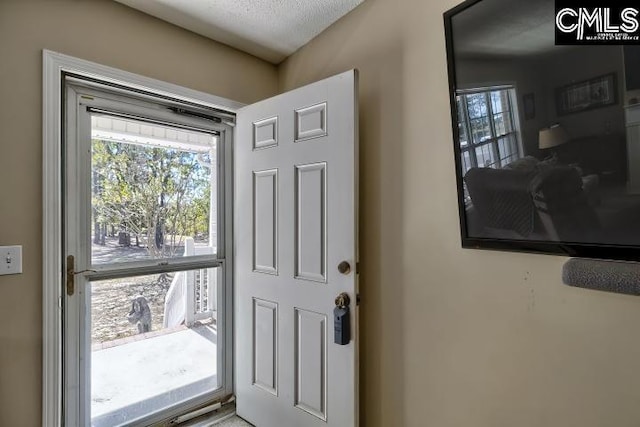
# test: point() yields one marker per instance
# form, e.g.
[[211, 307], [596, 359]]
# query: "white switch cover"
[[10, 260]]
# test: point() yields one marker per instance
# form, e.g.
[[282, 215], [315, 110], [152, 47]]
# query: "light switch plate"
[[10, 260]]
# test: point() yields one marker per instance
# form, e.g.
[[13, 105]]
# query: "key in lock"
[[342, 320]]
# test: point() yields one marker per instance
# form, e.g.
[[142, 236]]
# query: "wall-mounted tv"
[[546, 137]]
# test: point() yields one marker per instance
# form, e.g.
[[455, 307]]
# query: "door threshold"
[[223, 417]]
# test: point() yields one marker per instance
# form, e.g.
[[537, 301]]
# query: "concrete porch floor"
[[137, 378]]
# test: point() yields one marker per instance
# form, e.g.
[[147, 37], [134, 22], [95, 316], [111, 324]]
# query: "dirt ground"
[[111, 302]]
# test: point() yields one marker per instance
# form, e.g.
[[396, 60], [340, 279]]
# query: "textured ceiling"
[[505, 28], [268, 29]]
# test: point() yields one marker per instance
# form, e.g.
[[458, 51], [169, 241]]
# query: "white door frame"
[[55, 65]]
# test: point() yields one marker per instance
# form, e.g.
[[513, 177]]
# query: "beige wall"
[[451, 337], [455, 337], [108, 33]]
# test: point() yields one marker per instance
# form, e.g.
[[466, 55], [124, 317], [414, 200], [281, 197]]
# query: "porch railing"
[[192, 294]]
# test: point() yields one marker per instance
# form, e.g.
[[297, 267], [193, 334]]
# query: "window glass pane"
[[500, 101], [459, 106], [462, 128], [485, 156], [153, 344], [152, 188], [477, 105], [480, 130], [508, 123], [501, 148], [496, 105], [493, 150], [504, 148], [508, 149], [480, 157], [466, 162], [499, 124], [513, 143], [463, 135]]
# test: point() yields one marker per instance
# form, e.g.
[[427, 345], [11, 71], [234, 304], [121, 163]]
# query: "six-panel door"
[[295, 222]]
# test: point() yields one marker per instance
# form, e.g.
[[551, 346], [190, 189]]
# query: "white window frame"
[[492, 142], [55, 66]]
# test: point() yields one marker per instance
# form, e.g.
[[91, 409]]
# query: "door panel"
[[310, 344], [265, 345], [311, 219], [295, 220], [265, 214]]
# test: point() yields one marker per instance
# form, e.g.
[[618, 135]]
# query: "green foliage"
[[150, 191]]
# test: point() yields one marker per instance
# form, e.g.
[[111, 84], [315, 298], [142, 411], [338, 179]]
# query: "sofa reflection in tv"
[[546, 201]]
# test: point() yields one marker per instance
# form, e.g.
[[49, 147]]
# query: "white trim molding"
[[54, 67], [51, 244]]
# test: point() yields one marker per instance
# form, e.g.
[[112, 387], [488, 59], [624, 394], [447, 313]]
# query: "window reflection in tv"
[[546, 137]]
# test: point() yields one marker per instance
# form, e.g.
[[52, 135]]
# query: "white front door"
[[295, 223]]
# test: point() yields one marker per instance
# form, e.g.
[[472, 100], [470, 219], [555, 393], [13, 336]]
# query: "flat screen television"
[[546, 137]]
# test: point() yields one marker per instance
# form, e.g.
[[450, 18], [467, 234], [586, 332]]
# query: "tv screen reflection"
[[547, 137]]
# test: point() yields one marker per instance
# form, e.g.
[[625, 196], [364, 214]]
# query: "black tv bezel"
[[583, 250]]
